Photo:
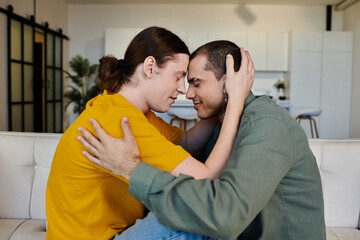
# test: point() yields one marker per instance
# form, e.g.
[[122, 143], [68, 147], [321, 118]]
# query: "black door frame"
[[47, 32]]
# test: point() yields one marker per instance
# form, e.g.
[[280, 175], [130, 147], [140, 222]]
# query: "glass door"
[[35, 75], [21, 77]]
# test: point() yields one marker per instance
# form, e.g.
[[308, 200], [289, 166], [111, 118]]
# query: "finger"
[[251, 67], [99, 130], [250, 59], [229, 64], [87, 145], [127, 129], [91, 139], [250, 64], [92, 158], [244, 59]]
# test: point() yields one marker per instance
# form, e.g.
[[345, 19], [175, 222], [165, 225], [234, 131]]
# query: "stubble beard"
[[218, 111]]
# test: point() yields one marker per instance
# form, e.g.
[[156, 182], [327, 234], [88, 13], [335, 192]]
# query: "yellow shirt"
[[85, 201]]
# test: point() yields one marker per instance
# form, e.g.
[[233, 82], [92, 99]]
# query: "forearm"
[[222, 208], [217, 159], [196, 207], [224, 145]]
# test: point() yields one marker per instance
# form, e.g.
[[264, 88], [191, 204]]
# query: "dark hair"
[[153, 41], [215, 53]]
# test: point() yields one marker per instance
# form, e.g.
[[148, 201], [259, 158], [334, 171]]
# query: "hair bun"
[[120, 64]]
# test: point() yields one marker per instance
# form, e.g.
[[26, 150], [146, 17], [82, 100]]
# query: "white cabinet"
[[239, 38], [335, 95], [320, 77], [277, 54], [305, 79], [257, 47], [269, 51], [215, 36], [306, 41], [196, 39], [338, 42]]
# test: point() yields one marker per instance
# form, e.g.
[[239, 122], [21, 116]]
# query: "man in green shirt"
[[270, 187]]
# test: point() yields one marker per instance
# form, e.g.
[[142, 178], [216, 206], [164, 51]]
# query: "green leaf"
[[84, 76], [93, 69]]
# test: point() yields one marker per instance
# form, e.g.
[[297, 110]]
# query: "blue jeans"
[[150, 229]]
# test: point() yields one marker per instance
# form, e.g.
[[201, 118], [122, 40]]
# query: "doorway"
[[35, 76]]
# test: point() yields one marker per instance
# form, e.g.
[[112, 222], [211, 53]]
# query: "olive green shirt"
[[269, 189]]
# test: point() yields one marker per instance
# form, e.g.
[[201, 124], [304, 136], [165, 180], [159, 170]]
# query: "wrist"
[[132, 168], [127, 170], [235, 106]]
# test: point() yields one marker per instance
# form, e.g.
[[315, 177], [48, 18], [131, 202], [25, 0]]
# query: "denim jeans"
[[150, 229]]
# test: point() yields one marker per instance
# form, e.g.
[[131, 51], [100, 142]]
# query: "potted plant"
[[280, 85], [84, 84]]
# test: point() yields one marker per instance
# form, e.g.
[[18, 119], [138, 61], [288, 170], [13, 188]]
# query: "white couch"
[[25, 160]]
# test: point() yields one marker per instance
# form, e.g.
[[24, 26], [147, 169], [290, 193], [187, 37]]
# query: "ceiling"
[[272, 2]]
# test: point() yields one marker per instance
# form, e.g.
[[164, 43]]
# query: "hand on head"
[[238, 84], [118, 155]]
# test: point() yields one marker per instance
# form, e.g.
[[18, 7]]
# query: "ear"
[[149, 64], [222, 80]]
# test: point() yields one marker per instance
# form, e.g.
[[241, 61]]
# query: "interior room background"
[[85, 25]]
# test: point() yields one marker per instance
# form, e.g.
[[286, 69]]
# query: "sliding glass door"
[[35, 76]]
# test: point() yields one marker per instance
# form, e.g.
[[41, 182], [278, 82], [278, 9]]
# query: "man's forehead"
[[198, 60], [197, 67]]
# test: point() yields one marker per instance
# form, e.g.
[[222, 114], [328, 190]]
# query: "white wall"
[[55, 12], [87, 23], [352, 23]]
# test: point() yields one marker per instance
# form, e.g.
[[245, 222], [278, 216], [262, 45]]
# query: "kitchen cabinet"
[[306, 41], [277, 54], [320, 77], [215, 36], [269, 51], [257, 47], [239, 38], [196, 39], [338, 42], [305, 79], [336, 84]]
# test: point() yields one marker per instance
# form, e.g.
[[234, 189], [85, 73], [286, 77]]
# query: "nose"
[[190, 94], [181, 88]]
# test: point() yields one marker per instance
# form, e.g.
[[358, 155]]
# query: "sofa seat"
[[337, 233], [25, 161], [21, 229]]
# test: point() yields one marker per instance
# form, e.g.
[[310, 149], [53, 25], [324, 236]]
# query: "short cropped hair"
[[215, 53]]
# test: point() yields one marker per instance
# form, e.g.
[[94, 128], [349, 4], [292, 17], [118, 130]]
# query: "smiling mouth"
[[196, 105], [173, 99]]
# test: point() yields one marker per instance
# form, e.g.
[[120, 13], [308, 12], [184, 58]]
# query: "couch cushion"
[[342, 233], [339, 162], [17, 173], [8, 227], [44, 150], [30, 229], [25, 160]]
